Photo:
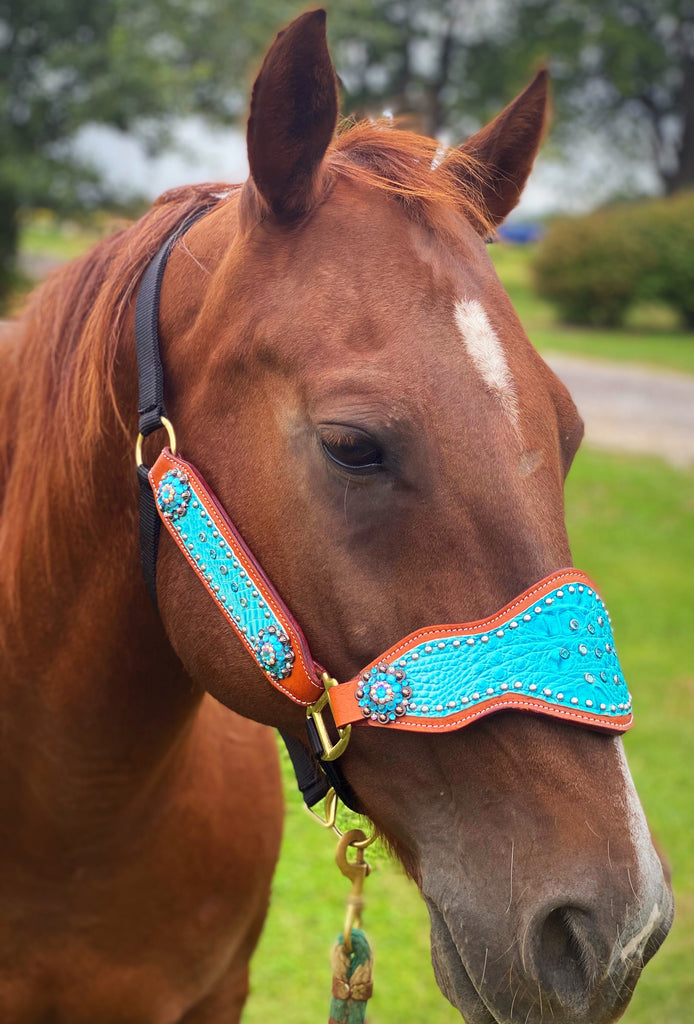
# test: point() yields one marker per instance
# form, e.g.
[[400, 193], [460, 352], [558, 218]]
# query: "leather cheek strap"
[[234, 579]]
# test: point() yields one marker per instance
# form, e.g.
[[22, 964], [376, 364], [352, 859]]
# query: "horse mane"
[[58, 401], [57, 380]]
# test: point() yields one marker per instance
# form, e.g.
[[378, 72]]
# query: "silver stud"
[[490, 690], [415, 656], [537, 610], [527, 618], [581, 589], [574, 700], [475, 696], [582, 649], [574, 624], [549, 600], [572, 590], [428, 649], [504, 686], [464, 700], [547, 692], [441, 645], [456, 643], [470, 642], [513, 625], [589, 703], [425, 708], [439, 707], [518, 685], [560, 696], [499, 632], [450, 704], [603, 707], [532, 687], [195, 504], [215, 533], [560, 593], [589, 677]]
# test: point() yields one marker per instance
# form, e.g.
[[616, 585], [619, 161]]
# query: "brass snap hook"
[[356, 871]]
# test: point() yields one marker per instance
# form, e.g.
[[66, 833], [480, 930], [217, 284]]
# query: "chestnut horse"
[[343, 365]]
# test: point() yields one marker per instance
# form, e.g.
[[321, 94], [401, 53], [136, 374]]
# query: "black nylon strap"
[[150, 372], [332, 769], [151, 397], [311, 781]]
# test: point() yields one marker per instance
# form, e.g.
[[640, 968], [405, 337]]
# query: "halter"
[[549, 651]]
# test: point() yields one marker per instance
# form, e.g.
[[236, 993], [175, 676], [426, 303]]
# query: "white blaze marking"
[[485, 350], [638, 940], [649, 868]]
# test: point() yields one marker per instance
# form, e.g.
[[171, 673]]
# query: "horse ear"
[[504, 151], [293, 117]]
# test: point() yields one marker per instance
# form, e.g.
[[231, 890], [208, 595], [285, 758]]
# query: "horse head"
[[346, 370]]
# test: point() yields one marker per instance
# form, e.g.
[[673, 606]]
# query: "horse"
[[343, 366]]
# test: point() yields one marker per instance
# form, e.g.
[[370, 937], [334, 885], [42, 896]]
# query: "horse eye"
[[355, 452]]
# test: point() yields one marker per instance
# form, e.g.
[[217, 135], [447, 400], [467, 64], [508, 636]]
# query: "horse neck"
[[91, 688]]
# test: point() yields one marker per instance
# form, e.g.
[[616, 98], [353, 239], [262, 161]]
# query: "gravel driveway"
[[630, 408]]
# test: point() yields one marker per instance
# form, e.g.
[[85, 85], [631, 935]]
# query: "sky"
[[586, 178]]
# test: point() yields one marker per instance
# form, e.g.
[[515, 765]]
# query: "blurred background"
[[105, 105]]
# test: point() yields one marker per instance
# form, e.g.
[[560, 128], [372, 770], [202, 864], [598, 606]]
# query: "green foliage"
[[593, 269], [131, 64]]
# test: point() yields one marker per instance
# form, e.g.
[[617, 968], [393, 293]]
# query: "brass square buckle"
[[322, 744]]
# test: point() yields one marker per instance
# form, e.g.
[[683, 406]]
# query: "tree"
[[131, 64], [626, 65]]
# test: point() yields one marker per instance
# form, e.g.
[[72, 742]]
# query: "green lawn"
[[631, 526], [651, 335]]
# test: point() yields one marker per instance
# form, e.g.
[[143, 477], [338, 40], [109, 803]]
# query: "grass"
[[630, 523], [651, 335]]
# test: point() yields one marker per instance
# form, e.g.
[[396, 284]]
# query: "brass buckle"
[[331, 751], [168, 426]]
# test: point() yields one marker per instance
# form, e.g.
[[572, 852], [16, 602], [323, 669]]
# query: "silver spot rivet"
[[513, 625], [547, 693], [456, 643], [574, 700], [549, 600], [532, 687], [589, 678], [518, 685], [572, 590], [490, 690], [589, 703], [560, 696], [504, 686], [470, 642], [527, 618], [499, 632], [537, 610]]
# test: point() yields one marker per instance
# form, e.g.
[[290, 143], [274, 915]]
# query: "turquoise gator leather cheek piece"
[[221, 570]]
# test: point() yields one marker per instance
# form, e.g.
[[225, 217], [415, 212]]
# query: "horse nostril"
[[572, 957]]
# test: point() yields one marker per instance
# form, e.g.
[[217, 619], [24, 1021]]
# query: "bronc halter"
[[549, 651]]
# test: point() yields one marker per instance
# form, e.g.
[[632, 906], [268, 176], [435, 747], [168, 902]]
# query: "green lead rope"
[[352, 980]]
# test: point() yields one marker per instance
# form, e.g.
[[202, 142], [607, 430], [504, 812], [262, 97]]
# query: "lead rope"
[[352, 959]]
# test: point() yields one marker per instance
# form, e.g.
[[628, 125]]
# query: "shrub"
[[594, 268]]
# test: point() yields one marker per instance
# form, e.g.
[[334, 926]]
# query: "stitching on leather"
[[172, 461]]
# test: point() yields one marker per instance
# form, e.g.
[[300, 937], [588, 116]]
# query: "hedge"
[[594, 268]]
